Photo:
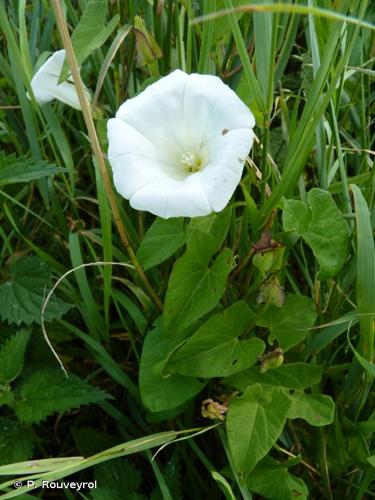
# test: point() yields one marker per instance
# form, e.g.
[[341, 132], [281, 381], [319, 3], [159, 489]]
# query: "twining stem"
[[86, 111]]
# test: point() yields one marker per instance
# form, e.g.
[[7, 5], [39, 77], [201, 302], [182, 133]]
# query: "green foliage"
[[91, 32], [267, 330], [162, 240], [316, 409], [215, 349], [15, 169], [290, 324], [22, 294], [296, 376], [195, 286], [47, 391], [116, 477], [16, 442], [323, 227], [12, 354], [272, 480], [160, 391], [255, 422]]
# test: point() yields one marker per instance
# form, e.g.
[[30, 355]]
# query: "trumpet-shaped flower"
[[179, 147], [45, 83]]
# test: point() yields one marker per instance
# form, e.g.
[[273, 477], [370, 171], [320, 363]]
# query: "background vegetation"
[[276, 322]]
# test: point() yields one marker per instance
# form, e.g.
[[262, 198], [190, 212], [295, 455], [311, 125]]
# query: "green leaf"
[[21, 297], [6, 395], [24, 169], [365, 280], [273, 481], [16, 442], [215, 349], [316, 409], [216, 225], [195, 286], [297, 376], [91, 32], [12, 354], [48, 391], [291, 323], [254, 423], [160, 393], [116, 477], [163, 238], [223, 485], [323, 228]]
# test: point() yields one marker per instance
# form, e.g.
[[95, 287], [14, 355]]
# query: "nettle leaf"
[[317, 409], [91, 32], [23, 169], [296, 376], [47, 391], [12, 354], [323, 228], [16, 442], [291, 323], [21, 297], [273, 481], [196, 285], [159, 392], [215, 349], [161, 241], [254, 423]]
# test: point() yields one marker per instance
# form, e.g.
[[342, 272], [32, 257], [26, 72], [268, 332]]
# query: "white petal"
[[132, 172], [173, 198], [219, 184], [124, 139], [211, 107], [231, 149], [45, 83], [156, 112], [227, 156]]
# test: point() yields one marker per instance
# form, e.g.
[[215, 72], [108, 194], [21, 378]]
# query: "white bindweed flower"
[[179, 147], [45, 83]]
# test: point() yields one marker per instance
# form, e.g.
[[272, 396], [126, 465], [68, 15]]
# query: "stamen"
[[191, 162]]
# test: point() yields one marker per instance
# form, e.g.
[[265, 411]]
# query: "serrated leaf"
[[215, 349], [254, 423], [47, 391], [323, 228], [273, 481], [12, 354], [297, 376], [23, 169], [161, 241], [195, 286], [291, 323], [21, 297], [316, 409], [16, 442], [91, 32], [160, 393]]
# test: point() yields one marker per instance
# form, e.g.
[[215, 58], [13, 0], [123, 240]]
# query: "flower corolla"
[[179, 147], [45, 83]]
